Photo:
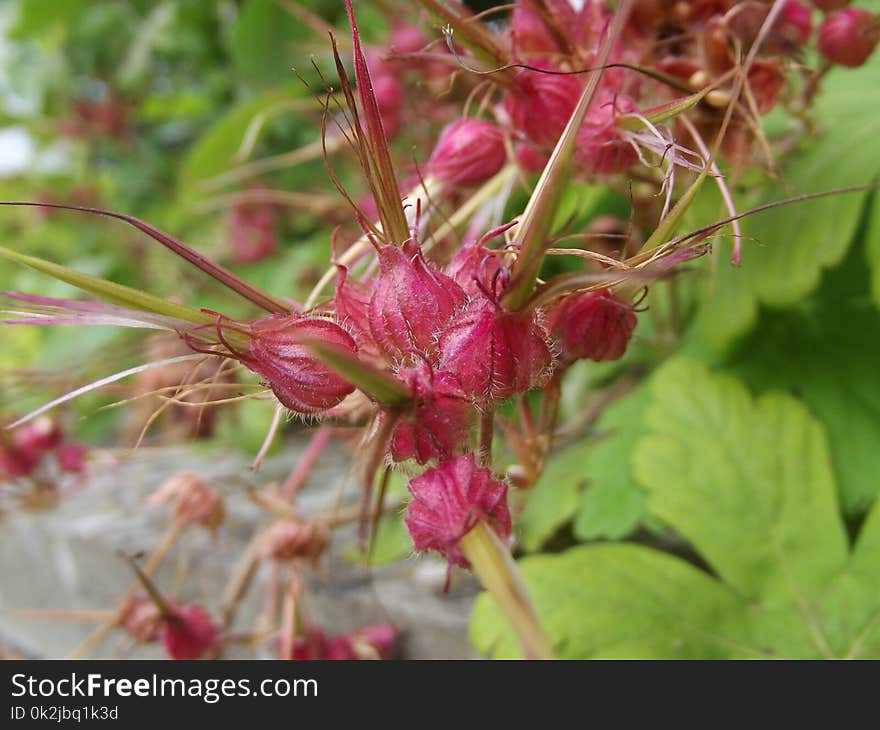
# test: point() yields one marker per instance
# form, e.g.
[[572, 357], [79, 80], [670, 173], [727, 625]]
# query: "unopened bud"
[[468, 153], [849, 36]]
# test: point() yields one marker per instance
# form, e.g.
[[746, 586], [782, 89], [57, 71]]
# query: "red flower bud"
[[449, 500], [351, 303], [495, 353], [593, 326], [600, 146], [71, 458], [17, 463], [849, 36], [540, 104], [437, 423], [468, 152], [794, 26], [40, 435], [189, 633], [407, 39], [299, 380], [411, 301]]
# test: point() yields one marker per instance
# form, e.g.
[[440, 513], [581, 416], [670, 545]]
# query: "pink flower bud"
[[295, 538], [71, 458], [438, 420], [41, 434], [407, 38], [374, 641], [411, 301], [449, 500], [189, 633], [195, 503], [141, 618], [495, 353], [17, 463], [600, 146], [468, 153], [529, 35], [540, 104], [474, 267], [251, 233], [351, 303], [848, 37], [593, 326], [299, 380]]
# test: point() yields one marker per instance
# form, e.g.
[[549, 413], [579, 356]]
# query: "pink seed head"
[[438, 420], [411, 301], [849, 36], [593, 326], [189, 633], [540, 104], [71, 457], [448, 501], [495, 353], [600, 146], [277, 352], [468, 153]]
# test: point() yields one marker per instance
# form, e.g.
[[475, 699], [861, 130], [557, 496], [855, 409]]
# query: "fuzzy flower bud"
[[411, 301], [41, 434], [449, 500], [277, 353], [294, 538], [529, 34], [194, 501], [71, 458], [600, 146], [437, 422], [540, 104], [495, 353], [189, 633], [593, 326], [141, 618], [468, 153], [848, 37]]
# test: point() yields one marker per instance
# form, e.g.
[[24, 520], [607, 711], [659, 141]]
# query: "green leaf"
[[827, 352], [792, 245], [108, 290], [872, 247], [553, 500], [748, 482], [265, 42], [215, 150], [613, 504], [616, 601]]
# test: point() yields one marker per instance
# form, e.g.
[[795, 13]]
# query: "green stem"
[[498, 573]]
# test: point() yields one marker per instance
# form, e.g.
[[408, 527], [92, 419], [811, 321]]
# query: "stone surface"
[[67, 558]]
